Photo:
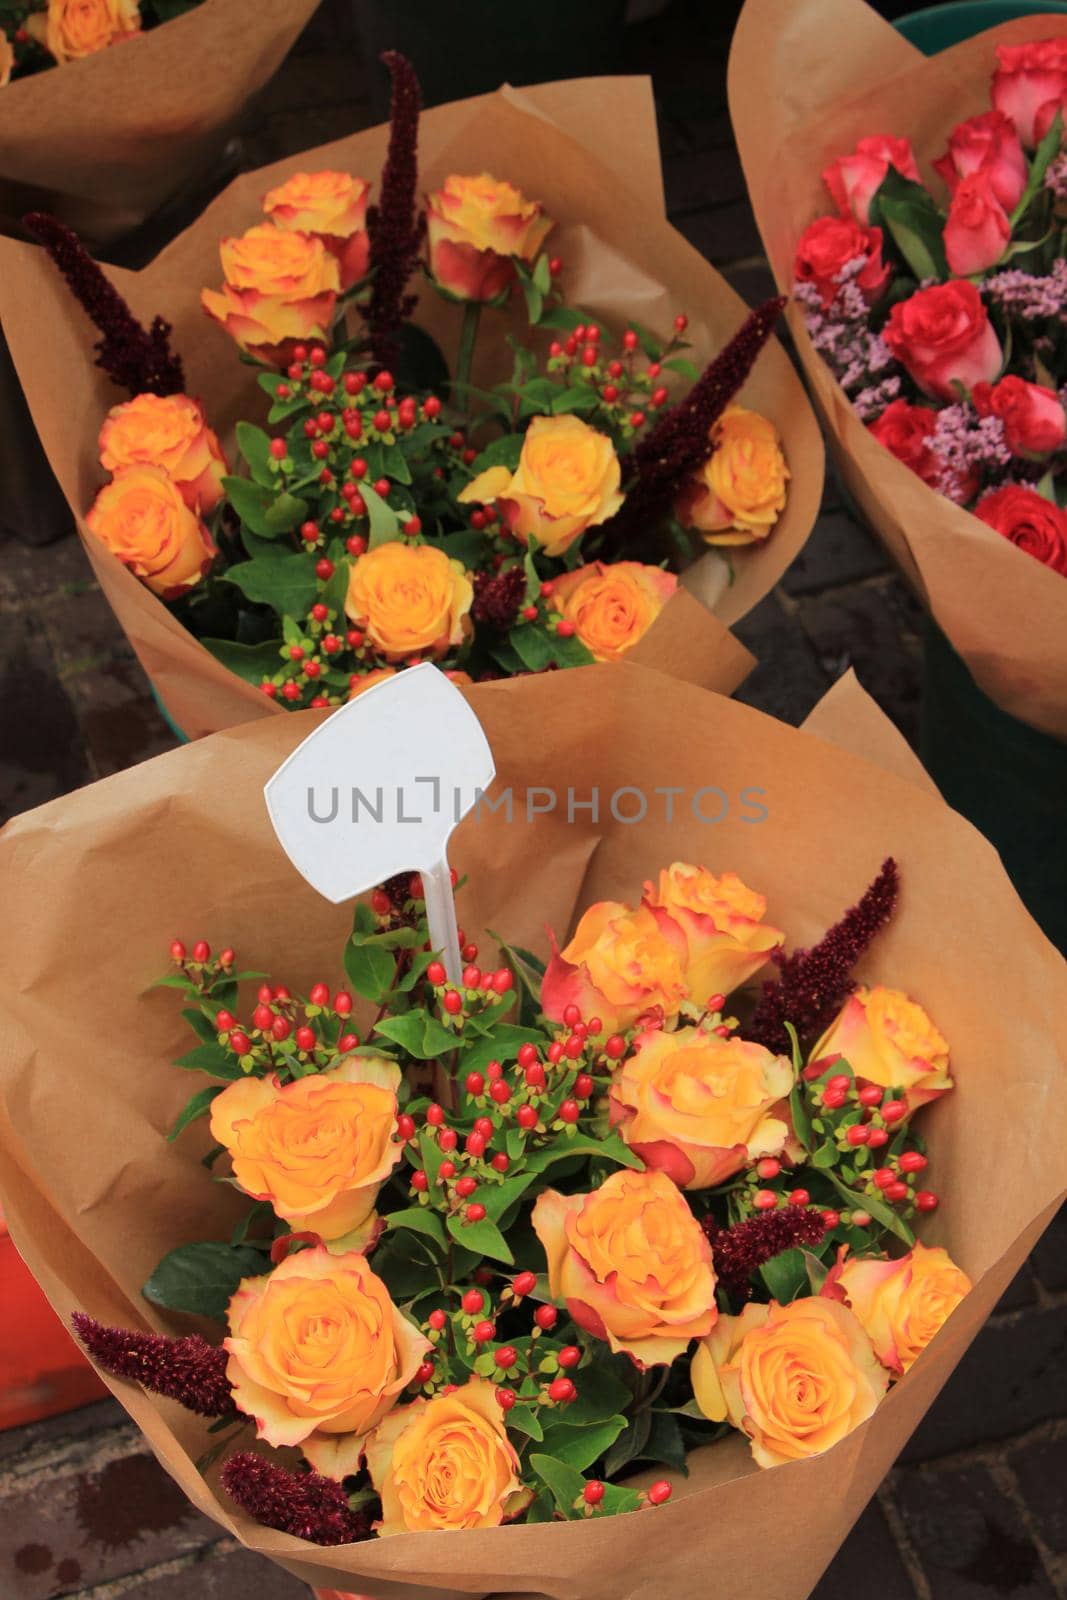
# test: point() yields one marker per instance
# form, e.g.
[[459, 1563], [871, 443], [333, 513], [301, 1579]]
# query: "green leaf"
[[876, 1207], [370, 969], [484, 1237], [684, 367], [421, 1035], [524, 1420], [631, 1445], [204, 1027], [288, 584], [600, 1393], [542, 274], [252, 662], [611, 1147], [912, 218], [565, 1482], [562, 317], [193, 1108], [502, 452], [1046, 151], [254, 446], [576, 399], [212, 1059], [665, 1443], [250, 501], [384, 522], [419, 1219], [785, 1275], [501, 1196], [580, 1446], [502, 1044], [395, 464], [285, 513], [202, 1278], [826, 1155]]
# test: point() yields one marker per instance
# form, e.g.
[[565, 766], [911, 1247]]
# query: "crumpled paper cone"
[[102, 880], [807, 79], [588, 150], [104, 141]]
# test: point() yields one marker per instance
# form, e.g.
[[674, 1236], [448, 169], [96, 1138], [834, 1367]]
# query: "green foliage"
[[202, 1278]]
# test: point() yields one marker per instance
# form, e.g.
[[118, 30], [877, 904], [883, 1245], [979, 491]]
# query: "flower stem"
[[468, 336]]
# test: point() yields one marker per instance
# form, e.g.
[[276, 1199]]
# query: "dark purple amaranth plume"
[[396, 225], [741, 1250], [188, 1370], [498, 596], [301, 1503], [680, 442], [138, 359], [815, 983]]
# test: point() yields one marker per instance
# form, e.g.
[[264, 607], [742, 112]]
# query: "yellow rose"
[[319, 1354], [567, 480], [631, 1263], [795, 1378], [171, 432], [727, 941], [475, 226], [700, 1107], [281, 288], [445, 1464], [888, 1039], [619, 964], [7, 59], [409, 600], [612, 607], [76, 28], [739, 493], [903, 1303], [143, 519], [318, 1148], [332, 206]]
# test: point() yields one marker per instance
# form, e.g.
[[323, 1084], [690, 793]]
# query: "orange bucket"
[[42, 1371]]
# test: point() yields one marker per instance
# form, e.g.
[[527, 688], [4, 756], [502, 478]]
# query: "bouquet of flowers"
[[114, 135], [605, 1227], [928, 310], [499, 469]]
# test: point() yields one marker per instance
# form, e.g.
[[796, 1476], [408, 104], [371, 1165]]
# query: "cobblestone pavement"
[[976, 1505]]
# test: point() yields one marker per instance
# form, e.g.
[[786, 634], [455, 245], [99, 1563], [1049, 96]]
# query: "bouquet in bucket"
[[35, 34], [532, 1230]]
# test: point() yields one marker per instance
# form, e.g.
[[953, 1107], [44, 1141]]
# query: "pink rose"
[[1030, 522], [906, 431], [977, 232], [829, 245], [943, 336], [988, 144], [854, 180], [1033, 416], [1030, 85]]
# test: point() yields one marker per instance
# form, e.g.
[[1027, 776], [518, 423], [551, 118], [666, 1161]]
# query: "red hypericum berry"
[[381, 904], [876, 1138], [658, 397], [502, 980], [840, 1080], [493, 1070], [896, 1192], [570, 1111], [610, 393], [571, 1015], [629, 340], [319, 994], [319, 612], [858, 1134], [800, 1197], [830, 1219], [452, 1002], [447, 1140], [589, 355], [484, 1126], [405, 1126], [472, 977], [420, 1181], [871, 1095], [765, 1200], [294, 370], [767, 1168], [505, 1399], [466, 1187], [437, 1319], [475, 1145], [201, 950], [291, 691], [527, 1054], [318, 701], [574, 1046], [278, 449], [535, 1075], [269, 689], [565, 628], [482, 1332], [583, 1086], [593, 1493], [240, 1043], [177, 950], [926, 1200], [384, 382], [569, 1356], [280, 1029], [312, 668], [861, 1219], [431, 406], [526, 1117], [615, 1047], [324, 568], [469, 952], [523, 1283], [506, 1356], [435, 1114], [500, 1162], [555, 1051], [474, 1083], [311, 428], [660, 1493], [546, 1318], [224, 1020], [305, 1038], [309, 532], [884, 1176], [320, 449], [913, 1161], [499, 1092], [435, 972], [893, 1111], [447, 1169], [342, 1003], [425, 1372], [833, 1099], [562, 1390], [382, 487], [473, 1302]]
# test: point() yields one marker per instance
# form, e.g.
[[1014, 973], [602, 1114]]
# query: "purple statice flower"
[[972, 450], [841, 334], [1056, 178], [869, 403], [1029, 297]]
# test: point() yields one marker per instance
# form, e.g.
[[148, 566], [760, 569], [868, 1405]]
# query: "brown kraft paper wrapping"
[[101, 881], [807, 79], [622, 259], [104, 141]]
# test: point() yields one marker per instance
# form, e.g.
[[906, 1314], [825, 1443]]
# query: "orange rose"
[[281, 288], [318, 1148], [727, 940], [888, 1039], [333, 207], [795, 1378], [567, 480], [631, 1264], [903, 1303], [367, 680], [76, 28], [612, 607], [409, 599], [318, 1355], [700, 1107], [170, 432], [143, 519], [444, 1464], [475, 226], [739, 493], [619, 964], [7, 59]]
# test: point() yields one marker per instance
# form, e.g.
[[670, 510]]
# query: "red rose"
[[977, 232], [1031, 522], [943, 336], [854, 180], [1033, 416], [906, 430], [988, 144], [1030, 85], [829, 245]]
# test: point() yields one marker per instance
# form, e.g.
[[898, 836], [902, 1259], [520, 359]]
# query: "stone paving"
[[977, 1504]]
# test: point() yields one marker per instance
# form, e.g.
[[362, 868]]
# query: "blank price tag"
[[378, 789]]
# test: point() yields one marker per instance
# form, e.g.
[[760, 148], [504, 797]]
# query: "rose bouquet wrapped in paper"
[[918, 203], [109, 107], [597, 1263], [503, 423]]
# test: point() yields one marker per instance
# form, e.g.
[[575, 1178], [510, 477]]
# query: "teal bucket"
[[182, 738], [939, 27]]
